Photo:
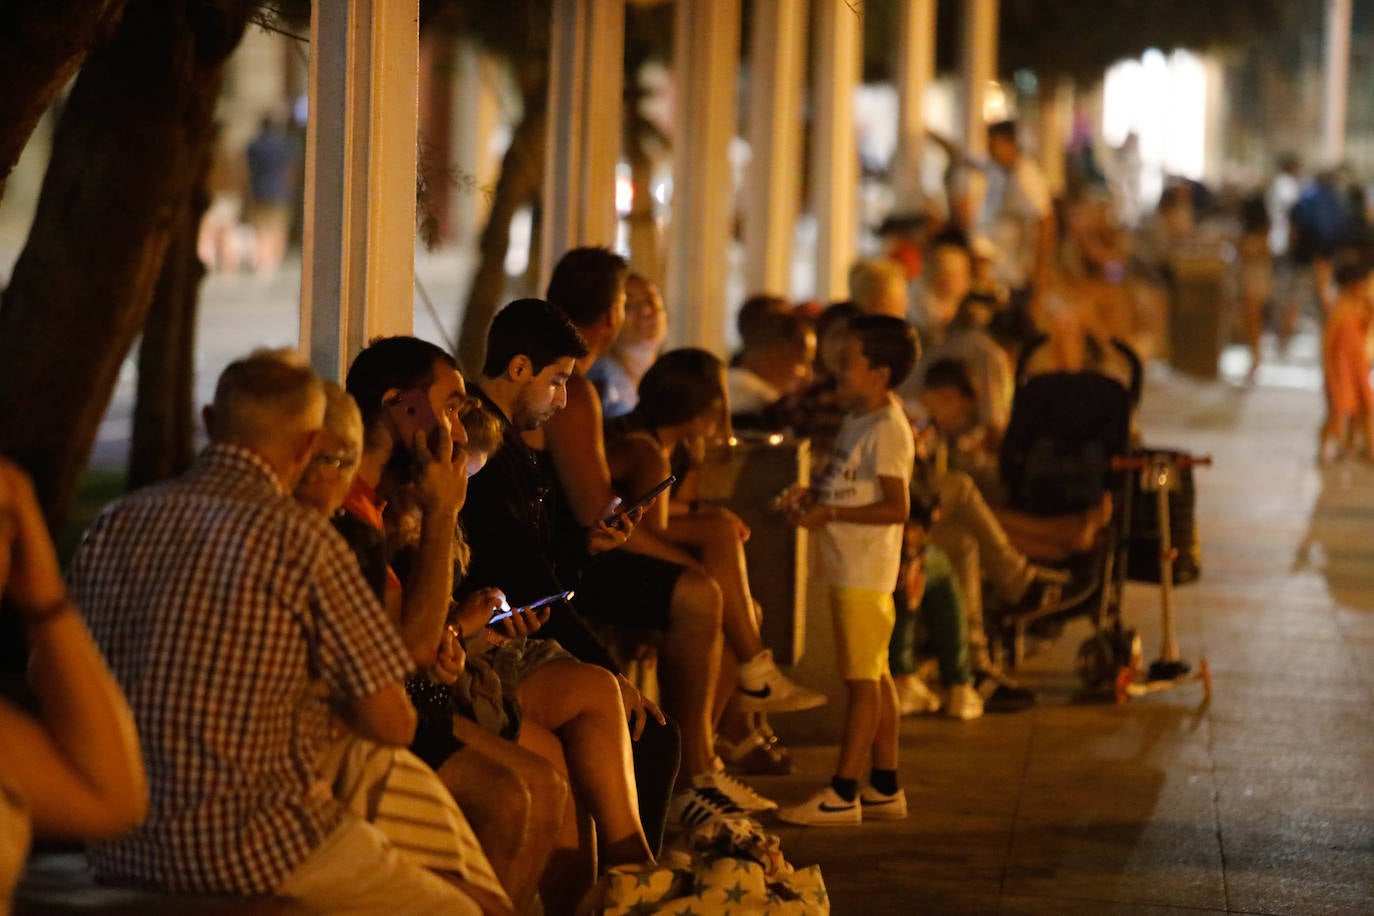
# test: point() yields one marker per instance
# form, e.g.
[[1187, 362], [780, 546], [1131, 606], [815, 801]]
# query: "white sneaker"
[[914, 697], [764, 688], [963, 702], [879, 807], [701, 804], [745, 798], [824, 809]]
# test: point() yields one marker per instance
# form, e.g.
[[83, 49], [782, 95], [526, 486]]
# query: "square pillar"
[[586, 74], [358, 271], [777, 64], [915, 73], [706, 38], [838, 56], [1336, 81], [979, 63]]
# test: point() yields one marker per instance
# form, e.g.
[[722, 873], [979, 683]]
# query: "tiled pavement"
[[1260, 802]]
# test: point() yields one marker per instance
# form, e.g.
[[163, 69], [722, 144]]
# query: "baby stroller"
[[1066, 428]]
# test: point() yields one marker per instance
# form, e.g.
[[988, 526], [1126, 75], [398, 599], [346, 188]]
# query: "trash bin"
[[746, 476]]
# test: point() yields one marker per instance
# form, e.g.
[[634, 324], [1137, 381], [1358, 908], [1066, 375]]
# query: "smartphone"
[[411, 413], [615, 517], [508, 611]]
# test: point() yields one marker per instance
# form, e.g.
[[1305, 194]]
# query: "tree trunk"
[[127, 151], [42, 44], [522, 174], [164, 412]]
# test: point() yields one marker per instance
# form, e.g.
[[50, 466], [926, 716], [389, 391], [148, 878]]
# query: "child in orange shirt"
[[1345, 359]]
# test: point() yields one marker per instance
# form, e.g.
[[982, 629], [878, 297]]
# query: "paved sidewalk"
[[1261, 802]]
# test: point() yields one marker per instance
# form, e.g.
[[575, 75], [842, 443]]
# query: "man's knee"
[[697, 601], [957, 490]]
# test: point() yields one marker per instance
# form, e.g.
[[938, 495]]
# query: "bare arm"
[[646, 467], [385, 717], [1044, 249], [573, 437], [892, 509], [79, 768], [429, 585]]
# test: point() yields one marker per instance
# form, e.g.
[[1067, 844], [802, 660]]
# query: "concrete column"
[[586, 73], [477, 160], [1337, 73], [777, 63], [979, 63], [706, 38], [358, 275], [1056, 123], [837, 57], [915, 73]]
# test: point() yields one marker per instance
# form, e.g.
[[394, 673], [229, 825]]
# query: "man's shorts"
[[863, 620], [627, 589]]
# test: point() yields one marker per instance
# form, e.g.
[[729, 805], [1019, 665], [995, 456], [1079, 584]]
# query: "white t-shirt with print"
[[868, 446]]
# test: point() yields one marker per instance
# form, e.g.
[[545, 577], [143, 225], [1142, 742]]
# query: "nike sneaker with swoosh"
[[824, 809], [764, 688], [879, 807]]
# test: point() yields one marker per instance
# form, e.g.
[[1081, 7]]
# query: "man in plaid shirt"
[[239, 625]]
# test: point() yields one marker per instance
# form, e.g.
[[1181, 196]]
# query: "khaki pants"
[[978, 548], [356, 870]]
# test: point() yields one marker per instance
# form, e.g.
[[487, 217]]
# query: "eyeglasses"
[[334, 461]]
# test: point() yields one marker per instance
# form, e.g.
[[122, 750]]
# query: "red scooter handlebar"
[[1140, 462]]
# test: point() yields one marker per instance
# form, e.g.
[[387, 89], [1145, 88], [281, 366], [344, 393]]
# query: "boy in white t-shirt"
[[858, 507]]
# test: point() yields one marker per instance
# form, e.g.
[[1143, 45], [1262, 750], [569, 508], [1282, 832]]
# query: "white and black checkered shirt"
[[233, 618]]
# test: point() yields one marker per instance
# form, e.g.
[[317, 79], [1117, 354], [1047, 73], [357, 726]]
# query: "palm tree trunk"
[[163, 441], [42, 44], [522, 174], [125, 157]]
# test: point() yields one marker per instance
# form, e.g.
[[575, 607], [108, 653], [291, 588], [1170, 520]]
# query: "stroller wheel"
[[1097, 662]]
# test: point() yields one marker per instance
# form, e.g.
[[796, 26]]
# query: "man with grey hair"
[[238, 624]]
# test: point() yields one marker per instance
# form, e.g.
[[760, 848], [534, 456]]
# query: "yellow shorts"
[[863, 620]]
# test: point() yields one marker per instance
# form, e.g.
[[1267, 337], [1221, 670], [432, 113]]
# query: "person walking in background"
[[1256, 275], [1345, 362], [271, 181]]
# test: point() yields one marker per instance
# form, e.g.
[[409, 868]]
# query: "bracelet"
[[47, 614]]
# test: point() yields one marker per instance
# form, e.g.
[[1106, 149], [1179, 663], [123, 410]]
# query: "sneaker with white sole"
[[824, 809], [764, 688], [744, 797], [963, 702], [914, 698], [702, 803], [879, 807]]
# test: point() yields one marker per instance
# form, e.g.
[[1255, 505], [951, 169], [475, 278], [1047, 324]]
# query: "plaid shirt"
[[235, 620]]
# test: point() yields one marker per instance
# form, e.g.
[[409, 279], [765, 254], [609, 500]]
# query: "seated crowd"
[[362, 649]]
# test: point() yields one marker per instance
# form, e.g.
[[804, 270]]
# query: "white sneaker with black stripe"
[[824, 809], [702, 803], [744, 797], [879, 807]]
